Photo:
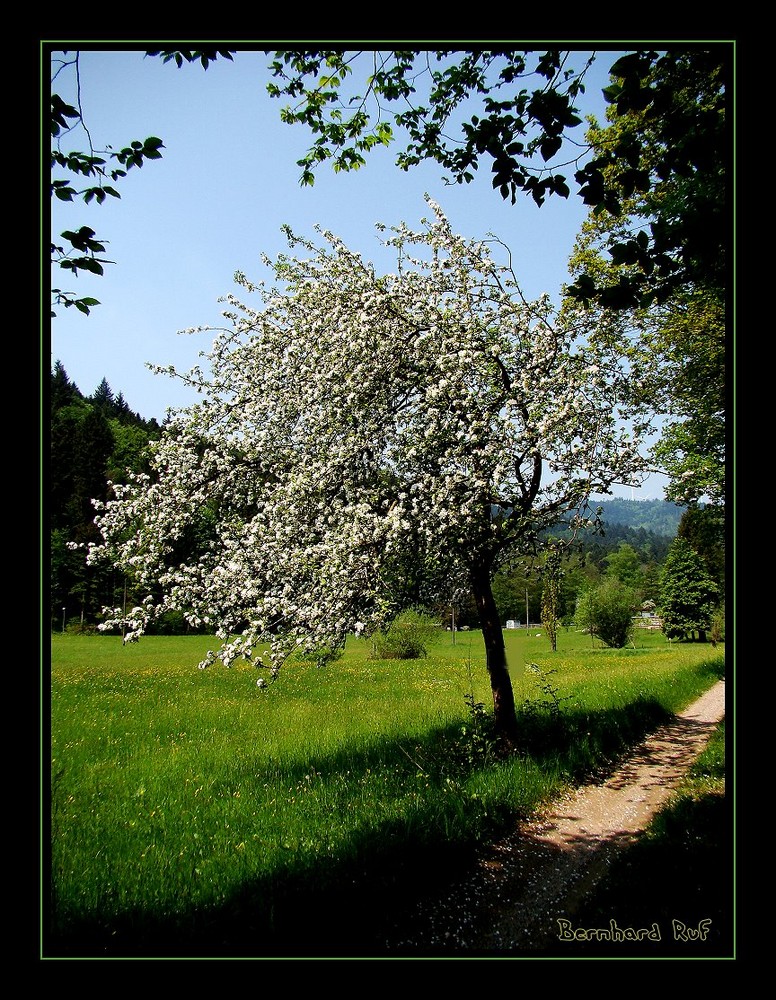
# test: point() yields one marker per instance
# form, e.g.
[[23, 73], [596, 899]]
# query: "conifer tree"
[[688, 595]]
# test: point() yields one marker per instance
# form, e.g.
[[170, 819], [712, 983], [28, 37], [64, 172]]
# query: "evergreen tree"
[[88, 446], [81, 442], [704, 529], [103, 396], [657, 517], [688, 594], [85, 461], [63, 391], [121, 408]]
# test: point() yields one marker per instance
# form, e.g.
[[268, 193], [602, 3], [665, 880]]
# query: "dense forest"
[[656, 516], [95, 439]]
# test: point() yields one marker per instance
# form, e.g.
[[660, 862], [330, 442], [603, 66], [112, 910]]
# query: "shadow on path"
[[526, 889]]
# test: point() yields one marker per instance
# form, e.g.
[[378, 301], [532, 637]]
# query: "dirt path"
[[544, 870]]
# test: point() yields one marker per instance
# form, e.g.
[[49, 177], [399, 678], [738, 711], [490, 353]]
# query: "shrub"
[[320, 655], [174, 623], [77, 627], [717, 632], [406, 638], [606, 611]]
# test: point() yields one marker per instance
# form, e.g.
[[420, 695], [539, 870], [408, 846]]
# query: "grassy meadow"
[[194, 813]]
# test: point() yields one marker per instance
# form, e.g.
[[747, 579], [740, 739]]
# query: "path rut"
[[542, 871]]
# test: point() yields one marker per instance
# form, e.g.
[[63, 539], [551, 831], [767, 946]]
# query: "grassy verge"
[[194, 813]]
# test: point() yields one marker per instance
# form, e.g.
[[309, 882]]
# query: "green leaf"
[[549, 146], [60, 112], [626, 253], [82, 239], [89, 264], [59, 107], [626, 65], [152, 146]]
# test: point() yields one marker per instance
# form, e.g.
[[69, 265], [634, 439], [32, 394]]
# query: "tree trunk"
[[503, 697]]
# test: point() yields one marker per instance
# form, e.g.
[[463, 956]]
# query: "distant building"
[[647, 617]]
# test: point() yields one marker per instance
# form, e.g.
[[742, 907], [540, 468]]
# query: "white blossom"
[[351, 423]]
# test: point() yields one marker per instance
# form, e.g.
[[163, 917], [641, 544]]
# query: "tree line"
[[677, 576], [94, 440], [97, 440]]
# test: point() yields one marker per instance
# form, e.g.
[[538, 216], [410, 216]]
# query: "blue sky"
[[216, 201]]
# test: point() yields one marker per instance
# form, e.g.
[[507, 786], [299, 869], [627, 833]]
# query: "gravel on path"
[[541, 872]]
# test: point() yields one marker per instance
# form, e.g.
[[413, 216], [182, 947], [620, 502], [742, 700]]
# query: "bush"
[[75, 626], [174, 623], [406, 638], [606, 611], [321, 656], [717, 632]]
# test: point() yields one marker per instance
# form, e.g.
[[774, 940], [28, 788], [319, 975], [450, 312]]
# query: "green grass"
[[193, 813]]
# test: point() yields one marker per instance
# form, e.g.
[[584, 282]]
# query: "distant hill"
[[660, 517]]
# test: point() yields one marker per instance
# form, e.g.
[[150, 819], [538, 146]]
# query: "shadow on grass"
[[585, 744], [349, 907], [630, 896]]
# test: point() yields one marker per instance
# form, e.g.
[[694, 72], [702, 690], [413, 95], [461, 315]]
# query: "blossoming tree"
[[354, 428]]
